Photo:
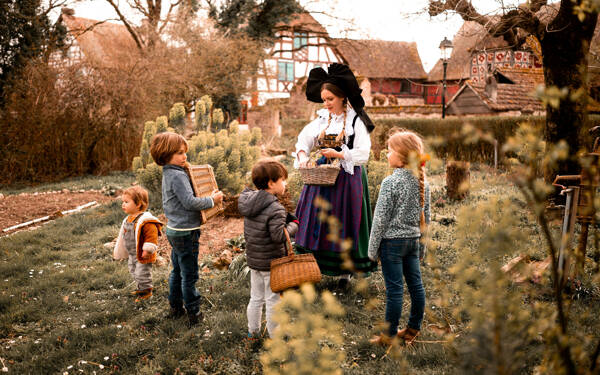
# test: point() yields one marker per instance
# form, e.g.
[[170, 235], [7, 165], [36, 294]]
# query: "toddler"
[[138, 238]]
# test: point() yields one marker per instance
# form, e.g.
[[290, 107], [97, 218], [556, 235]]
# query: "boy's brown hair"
[[267, 170], [164, 145], [138, 195]]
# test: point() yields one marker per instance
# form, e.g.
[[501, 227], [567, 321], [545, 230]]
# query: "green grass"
[[63, 300], [114, 180]]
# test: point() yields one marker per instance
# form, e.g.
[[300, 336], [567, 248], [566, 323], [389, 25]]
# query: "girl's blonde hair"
[[406, 143]]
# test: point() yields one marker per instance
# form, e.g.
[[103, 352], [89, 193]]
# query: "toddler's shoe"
[[194, 319], [136, 292], [408, 334], [253, 337], [144, 294]]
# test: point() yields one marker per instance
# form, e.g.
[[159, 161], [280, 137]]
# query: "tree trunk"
[[565, 47]]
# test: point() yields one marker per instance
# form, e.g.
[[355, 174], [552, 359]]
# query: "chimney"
[[491, 88], [67, 11]]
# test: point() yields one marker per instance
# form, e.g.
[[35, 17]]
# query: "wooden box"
[[205, 183]]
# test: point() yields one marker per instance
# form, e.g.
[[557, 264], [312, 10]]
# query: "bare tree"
[[564, 30], [154, 23]]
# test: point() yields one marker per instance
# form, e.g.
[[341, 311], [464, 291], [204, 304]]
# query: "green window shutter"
[[281, 71]]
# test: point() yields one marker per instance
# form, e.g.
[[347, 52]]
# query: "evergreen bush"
[[150, 178], [447, 137], [230, 153], [177, 117]]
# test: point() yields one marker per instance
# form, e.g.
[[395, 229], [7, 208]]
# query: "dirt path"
[[213, 237], [16, 209]]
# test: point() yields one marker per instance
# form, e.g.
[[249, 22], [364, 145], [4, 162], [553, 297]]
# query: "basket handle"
[[288, 243]]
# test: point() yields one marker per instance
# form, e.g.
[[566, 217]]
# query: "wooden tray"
[[204, 182]]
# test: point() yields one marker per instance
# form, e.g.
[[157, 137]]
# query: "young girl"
[[401, 214], [138, 239]]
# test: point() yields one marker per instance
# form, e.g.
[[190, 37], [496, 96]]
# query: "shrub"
[[308, 339], [150, 178], [447, 137], [377, 170], [162, 124], [230, 153], [177, 117]]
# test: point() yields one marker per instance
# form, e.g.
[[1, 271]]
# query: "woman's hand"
[[331, 153], [302, 159]]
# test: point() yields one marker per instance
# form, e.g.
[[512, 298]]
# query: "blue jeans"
[[400, 257], [184, 275]]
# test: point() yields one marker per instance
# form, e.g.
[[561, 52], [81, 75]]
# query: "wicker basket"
[[293, 270], [322, 175]]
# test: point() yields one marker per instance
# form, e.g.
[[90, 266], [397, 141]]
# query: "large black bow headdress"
[[341, 76]]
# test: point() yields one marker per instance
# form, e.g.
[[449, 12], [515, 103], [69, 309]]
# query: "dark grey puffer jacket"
[[264, 220]]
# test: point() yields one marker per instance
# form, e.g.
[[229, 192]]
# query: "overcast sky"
[[403, 20]]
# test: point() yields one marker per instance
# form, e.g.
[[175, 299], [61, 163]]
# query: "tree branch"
[[127, 25], [139, 7], [504, 26], [168, 16]]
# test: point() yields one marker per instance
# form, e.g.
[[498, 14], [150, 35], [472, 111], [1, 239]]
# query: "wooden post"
[[457, 179], [568, 227]]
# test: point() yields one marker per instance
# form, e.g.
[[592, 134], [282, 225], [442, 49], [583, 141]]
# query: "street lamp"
[[446, 49]]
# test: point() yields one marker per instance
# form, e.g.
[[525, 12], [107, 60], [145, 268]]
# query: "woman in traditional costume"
[[342, 132]]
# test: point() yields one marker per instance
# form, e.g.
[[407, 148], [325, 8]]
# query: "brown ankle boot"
[[408, 334], [381, 340], [144, 294]]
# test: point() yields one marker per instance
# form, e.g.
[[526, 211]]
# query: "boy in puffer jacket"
[[264, 221]]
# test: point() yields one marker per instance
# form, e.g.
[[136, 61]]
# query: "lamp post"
[[446, 49]]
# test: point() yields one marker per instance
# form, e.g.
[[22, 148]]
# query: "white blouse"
[[358, 155]]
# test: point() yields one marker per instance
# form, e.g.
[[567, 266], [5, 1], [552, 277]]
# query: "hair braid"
[[342, 134], [422, 196]]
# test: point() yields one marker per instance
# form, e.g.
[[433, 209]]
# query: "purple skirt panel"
[[345, 198]]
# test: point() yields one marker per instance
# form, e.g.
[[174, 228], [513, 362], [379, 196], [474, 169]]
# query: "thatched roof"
[[104, 43], [382, 59], [304, 22], [471, 36]]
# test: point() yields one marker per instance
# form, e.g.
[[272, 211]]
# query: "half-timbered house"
[[302, 44]]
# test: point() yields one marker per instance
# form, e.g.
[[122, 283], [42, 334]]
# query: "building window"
[[405, 87], [300, 40], [285, 71]]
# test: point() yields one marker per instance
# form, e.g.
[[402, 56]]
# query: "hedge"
[[448, 138]]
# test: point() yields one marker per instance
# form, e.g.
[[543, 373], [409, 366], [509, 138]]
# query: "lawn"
[[65, 305]]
